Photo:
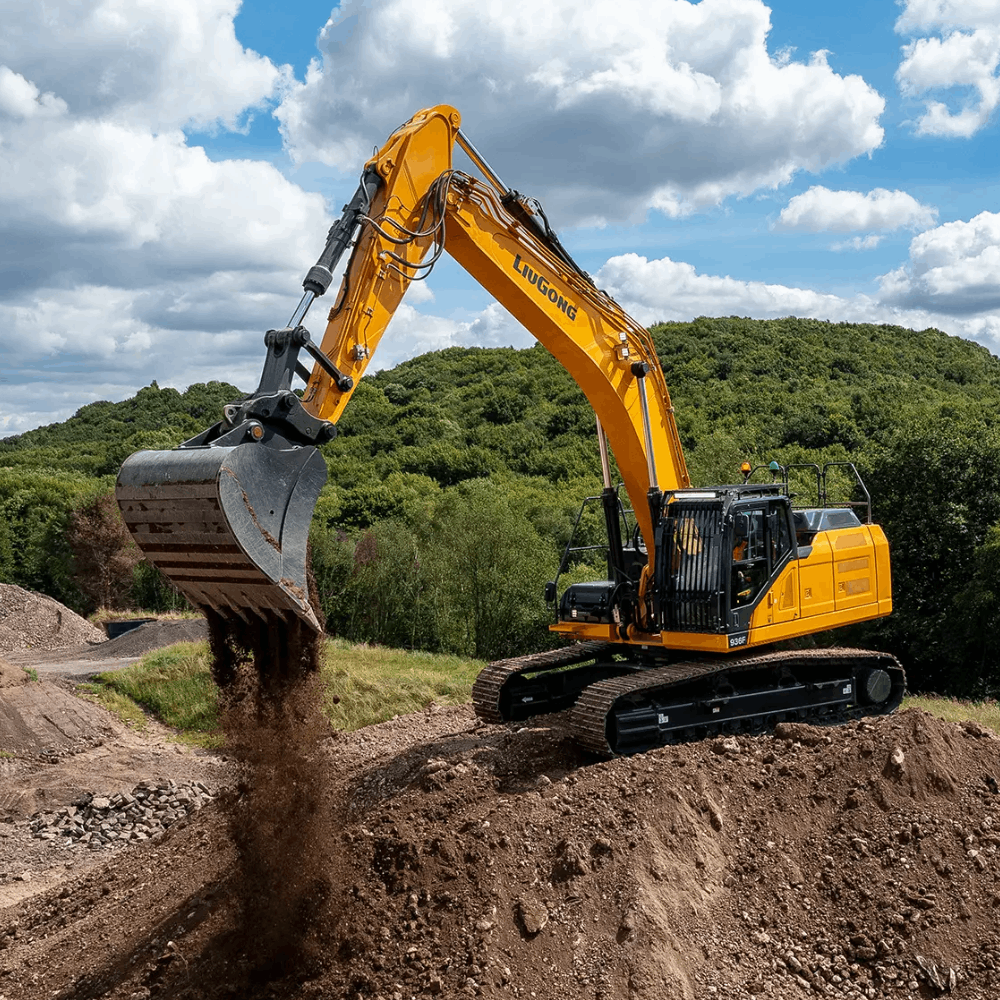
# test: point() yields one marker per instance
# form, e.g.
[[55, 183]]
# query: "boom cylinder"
[[602, 446], [639, 369]]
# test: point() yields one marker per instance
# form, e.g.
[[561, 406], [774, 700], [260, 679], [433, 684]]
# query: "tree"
[[373, 587], [489, 567], [104, 553]]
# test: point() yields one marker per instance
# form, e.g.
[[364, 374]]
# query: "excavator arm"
[[226, 515]]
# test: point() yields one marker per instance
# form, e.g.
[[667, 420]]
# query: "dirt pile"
[[34, 621], [11, 675], [467, 860]]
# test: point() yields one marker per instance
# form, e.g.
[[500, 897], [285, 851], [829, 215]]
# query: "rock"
[[894, 766], [978, 731], [120, 819], [797, 732], [532, 913]]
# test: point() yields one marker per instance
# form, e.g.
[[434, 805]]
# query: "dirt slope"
[[34, 621], [466, 860]]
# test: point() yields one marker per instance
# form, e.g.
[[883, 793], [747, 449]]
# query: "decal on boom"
[[544, 288]]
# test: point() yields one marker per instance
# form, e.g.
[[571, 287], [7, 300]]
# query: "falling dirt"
[[280, 823], [278, 814]]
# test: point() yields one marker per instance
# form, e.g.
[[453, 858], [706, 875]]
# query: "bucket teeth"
[[228, 526]]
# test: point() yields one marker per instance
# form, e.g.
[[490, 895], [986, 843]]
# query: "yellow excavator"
[[691, 633]]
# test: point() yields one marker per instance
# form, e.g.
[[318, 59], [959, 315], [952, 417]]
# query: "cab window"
[[750, 557]]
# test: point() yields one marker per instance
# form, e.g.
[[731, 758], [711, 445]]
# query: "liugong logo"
[[543, 287]]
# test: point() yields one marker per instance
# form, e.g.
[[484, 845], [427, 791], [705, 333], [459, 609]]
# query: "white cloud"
[[953, 268], [821, 210], [924, 15], [603, 110], [411, 333], [963, 62], [45, 400], [94, 193], [665, 289], [419, 293], [125, 253], [656, 290], [160, 64], [20, 98], [869, 242]]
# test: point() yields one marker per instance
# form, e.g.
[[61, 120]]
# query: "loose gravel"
[[99, 823], [34, 621]]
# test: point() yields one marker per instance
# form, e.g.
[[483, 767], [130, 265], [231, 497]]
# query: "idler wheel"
[[874, 686]]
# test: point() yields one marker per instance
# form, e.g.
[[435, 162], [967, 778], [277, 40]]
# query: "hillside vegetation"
[[456, 477]]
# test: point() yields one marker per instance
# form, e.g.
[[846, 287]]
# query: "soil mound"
[[34, 621], [152, 635], [11, 675], [470, 860]]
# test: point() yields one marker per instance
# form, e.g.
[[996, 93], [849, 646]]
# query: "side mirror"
[[550, 592]]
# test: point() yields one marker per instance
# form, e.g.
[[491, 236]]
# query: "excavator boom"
[[225, 516]]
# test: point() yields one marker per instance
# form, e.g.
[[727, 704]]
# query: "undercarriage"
[[620, 706]]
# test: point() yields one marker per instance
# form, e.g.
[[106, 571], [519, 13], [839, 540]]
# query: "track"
[[492, 690], [620, 708]]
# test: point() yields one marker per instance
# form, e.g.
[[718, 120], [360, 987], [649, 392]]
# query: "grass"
[[362, 685], [173, 684], [374, 683], [31, 672], [102, 615], [986, 713], [119, 704]]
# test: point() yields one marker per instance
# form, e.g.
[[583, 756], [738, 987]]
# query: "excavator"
[[702, 624]]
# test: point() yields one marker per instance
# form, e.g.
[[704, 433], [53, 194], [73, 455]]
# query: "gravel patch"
[[98, 822]]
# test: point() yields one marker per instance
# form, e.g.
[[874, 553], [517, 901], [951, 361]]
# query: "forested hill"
[[492, 449]]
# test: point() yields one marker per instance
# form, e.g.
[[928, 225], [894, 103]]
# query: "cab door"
[[783, 595], [762, 578]]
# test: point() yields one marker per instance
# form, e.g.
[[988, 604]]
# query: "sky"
[[169, 168]]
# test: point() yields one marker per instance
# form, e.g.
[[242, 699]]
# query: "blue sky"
[[168, 170]]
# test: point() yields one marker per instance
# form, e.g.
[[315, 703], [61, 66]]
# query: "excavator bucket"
[[228, 526]]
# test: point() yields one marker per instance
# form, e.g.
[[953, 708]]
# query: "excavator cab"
[[726, 547], [735, 567], [718, 550]]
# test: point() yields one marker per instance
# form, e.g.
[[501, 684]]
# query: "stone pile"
[[100, 822], [34, 621]]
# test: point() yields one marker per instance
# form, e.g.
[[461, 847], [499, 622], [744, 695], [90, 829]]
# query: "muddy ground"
[[434, 856]]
